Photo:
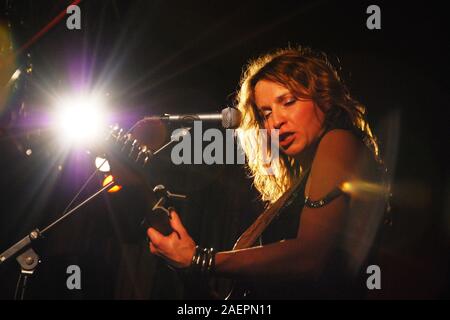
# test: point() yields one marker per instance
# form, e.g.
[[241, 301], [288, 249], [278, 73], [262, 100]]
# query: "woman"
[[318, 240]]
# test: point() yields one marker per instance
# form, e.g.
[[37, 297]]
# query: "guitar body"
[[239, 291]]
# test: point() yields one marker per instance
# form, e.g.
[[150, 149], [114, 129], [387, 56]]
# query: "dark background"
[[154, 57]]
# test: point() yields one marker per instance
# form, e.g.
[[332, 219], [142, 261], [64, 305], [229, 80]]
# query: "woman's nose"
[[278, 118]]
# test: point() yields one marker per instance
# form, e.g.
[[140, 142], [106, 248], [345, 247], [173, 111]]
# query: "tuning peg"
[[134, 147], [148, 156], [127, 141]]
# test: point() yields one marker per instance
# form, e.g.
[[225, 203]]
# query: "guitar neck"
[[251, 235]]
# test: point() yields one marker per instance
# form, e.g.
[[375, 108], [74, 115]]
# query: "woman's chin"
[[293, 150]]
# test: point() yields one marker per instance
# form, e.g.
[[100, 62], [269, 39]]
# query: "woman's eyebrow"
[[278, 99], [258, 107], [282, 96]]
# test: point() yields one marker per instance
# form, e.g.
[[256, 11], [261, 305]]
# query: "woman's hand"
[[177, 248]]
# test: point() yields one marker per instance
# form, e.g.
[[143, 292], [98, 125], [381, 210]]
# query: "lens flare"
[[360, 188], [109, 179], [8, 68], [81, 119]]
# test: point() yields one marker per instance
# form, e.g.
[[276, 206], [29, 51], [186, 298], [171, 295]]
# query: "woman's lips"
[[286, 139]]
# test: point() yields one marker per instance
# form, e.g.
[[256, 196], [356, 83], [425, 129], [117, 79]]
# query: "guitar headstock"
[[128, 157], [130, 152], [130, 147]]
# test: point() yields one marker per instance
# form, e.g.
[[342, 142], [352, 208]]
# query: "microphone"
[[230, 117]]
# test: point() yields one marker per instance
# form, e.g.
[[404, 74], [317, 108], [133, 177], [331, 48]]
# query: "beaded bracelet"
[[203, 260]]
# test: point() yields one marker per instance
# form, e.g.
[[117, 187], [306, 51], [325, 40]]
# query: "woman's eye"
[[289, 102], [266, 114]]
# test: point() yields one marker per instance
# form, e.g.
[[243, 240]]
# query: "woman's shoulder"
[[340, 146], [341, 138], [341, 156]]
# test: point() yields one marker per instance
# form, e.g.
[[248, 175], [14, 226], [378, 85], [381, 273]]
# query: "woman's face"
[[299, 122]]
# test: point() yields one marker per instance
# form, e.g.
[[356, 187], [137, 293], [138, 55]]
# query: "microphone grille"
[[231, 118]]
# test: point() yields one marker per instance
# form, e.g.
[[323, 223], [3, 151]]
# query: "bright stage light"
[[80, 119]]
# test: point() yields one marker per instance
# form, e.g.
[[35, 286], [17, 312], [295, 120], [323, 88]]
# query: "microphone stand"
[[27, 258]]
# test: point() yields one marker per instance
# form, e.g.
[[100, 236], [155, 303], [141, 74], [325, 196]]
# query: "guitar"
[[136, 156], [251, 235]]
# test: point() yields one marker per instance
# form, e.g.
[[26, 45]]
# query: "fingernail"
[[171, 209]]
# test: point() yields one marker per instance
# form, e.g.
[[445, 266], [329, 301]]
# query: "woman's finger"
[[153, 249], [155, 236], [176, 223]]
